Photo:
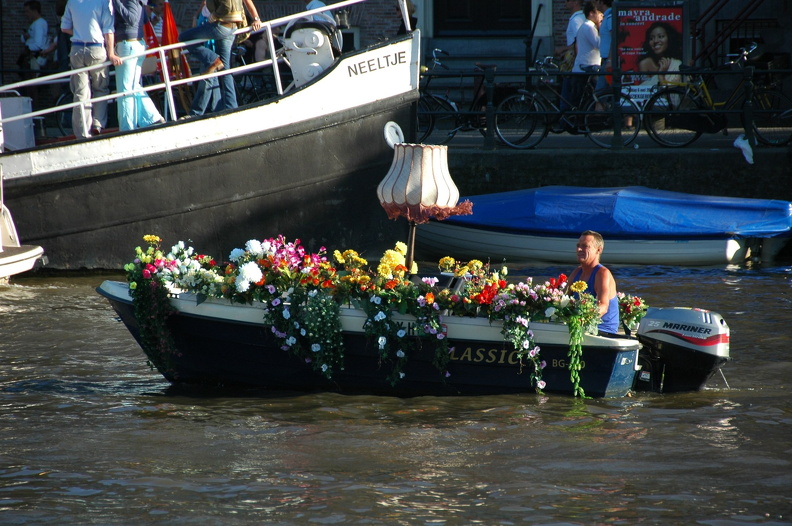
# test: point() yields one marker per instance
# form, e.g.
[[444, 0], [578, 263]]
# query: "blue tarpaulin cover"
[[632, 211]]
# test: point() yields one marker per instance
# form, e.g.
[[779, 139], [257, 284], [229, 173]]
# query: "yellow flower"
[[461, 271], [447, 264], [578, 286], [384, 270], [148, 238], [475, 265], [401, 248]]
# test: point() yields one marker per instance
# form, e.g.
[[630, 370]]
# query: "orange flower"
[[429, 297]]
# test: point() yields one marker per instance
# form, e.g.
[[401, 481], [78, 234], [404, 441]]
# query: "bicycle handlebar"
[[742, 55]]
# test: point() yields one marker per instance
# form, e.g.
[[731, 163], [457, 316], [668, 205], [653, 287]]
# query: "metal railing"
[[460, 92], [164, 56]]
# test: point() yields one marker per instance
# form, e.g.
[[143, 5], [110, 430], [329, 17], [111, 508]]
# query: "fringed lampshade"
[[418, 187]]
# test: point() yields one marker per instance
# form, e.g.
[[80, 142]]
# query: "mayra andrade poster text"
[[650, 39]]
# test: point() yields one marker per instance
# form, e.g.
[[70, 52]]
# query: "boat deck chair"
[[311, 46]]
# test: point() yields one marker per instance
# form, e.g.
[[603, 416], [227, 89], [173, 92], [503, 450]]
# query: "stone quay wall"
[[706, 171]]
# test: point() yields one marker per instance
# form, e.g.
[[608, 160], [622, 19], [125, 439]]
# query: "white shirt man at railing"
[[90, 22]]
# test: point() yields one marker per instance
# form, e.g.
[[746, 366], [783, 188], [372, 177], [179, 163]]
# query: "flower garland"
[[303, 294], [151, 304]]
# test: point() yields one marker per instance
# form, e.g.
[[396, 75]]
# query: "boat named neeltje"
[[281, 165]]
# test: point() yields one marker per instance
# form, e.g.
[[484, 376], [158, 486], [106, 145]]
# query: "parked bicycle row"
[[675, 112]]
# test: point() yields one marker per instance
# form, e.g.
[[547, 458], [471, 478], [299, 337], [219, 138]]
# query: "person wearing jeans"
[[90, 22], [223, 21], [207, 92], [135, 110]]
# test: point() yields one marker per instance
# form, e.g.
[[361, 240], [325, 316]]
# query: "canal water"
[[90, 435]]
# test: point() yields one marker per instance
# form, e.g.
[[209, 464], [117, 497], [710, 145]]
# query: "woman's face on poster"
[[658, 41]]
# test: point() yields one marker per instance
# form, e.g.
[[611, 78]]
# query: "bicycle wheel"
[[670, 118], [437, 119], [520, 121], [768, 125], [598, 120], [63, 118]]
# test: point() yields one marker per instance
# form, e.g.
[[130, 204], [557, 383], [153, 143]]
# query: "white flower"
[[376, 300], [236, 254], [564, 301], [381, 341], [401, 333], [250, 271], [254, 247], [400, 353], [242, 285], [379, 316], [549, 312], [286, 314], [316, 347]]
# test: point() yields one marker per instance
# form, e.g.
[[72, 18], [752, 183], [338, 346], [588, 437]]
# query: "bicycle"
[[251, 86], [680, 112], [439, 117], [523, 121]]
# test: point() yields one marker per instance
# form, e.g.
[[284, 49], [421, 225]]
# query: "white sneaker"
[[742, 143]]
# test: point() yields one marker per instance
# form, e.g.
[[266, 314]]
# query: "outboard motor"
[[682, 349], [311, 46]]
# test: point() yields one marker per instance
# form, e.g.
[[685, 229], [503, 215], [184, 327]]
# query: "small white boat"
[[640, 226], [15, 257]]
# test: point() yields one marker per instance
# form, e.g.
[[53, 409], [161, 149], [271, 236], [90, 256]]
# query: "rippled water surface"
[[90, 435]]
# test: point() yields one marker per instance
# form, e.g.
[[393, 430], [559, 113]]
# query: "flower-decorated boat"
[[277, 318], [640, 225]]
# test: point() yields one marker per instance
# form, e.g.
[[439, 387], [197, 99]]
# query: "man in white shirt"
[[90, 22], [36, 38], [587, 42], [575, 21]]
